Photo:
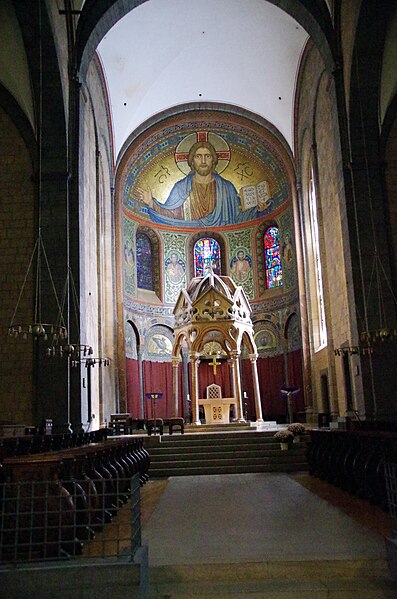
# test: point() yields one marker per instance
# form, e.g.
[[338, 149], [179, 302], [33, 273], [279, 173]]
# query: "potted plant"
[[296, 429], [284, 437]]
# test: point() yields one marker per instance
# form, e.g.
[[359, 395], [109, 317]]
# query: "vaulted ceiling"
[[162, 55]]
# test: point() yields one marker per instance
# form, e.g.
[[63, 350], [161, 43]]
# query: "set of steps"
[[366, 579], [234, 452]]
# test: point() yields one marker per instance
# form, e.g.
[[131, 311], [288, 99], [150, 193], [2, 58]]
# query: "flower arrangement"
[[296, 428], [284, 436]]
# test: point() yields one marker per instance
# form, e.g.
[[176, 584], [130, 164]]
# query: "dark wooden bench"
[[155, 426], [176, 422], [120, 424]]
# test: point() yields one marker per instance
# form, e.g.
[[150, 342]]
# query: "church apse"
[[202, 177]]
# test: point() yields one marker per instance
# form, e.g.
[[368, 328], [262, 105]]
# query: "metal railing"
[[391, 490], [69, 519]]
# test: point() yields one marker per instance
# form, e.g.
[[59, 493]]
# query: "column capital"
[[194, 356], [253, 358], [175, 361]]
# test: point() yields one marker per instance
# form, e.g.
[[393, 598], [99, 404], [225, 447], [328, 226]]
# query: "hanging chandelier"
[[77, 352], [39, 328], [72, 349]]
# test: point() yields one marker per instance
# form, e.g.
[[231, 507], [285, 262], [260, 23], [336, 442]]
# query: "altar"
[[216, 407], [217, 410]]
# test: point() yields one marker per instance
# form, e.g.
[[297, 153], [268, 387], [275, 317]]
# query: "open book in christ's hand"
[[255, 195]]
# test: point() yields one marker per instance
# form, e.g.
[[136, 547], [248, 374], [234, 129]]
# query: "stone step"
[[220, 453], [211, 453], [366, 579], [234, 468], [212, 439], [221, 428], [228, 459], [219, 445]]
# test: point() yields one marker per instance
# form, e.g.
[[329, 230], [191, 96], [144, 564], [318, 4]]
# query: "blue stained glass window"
[[273, 265], [207, 256], [144, 261]]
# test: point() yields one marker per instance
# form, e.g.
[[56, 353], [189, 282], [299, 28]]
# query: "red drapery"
[[133, 397], [157, 377], [207, 377], [271, 376]]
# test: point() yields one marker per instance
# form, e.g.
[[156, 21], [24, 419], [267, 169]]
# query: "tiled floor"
[[263, 535], [251, 518]]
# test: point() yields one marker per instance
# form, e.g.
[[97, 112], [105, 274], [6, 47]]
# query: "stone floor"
[[263, 535]]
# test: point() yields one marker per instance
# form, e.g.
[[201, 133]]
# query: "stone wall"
[[17, 237]]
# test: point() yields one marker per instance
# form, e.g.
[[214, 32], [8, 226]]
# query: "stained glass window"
[[144, 261], [207, 256], [273, 266]]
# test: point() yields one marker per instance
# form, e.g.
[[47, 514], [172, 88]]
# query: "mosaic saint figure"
[[287, 249], [202, 198], [174, 269], [241, 266]]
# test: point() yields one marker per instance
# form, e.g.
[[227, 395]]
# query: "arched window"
[[207, 256], [144, 261], [321, 328], [273, 266]]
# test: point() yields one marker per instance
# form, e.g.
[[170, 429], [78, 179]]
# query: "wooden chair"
[[214, 391]]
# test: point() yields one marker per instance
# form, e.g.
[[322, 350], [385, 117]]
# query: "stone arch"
[[267, 338], [292, 332], [158, 342], [388, 155], [98, 17], [53, 181], [132, 339], [21, 122], [367, 168]]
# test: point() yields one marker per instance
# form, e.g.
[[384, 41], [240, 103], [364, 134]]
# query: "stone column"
[[195, 361], [233, 385], [185, 382], [140, 374], [175, 371], [285, 356], [257, 393], [237, 385]]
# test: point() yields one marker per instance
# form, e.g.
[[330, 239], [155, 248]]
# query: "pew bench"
[[120, 424], [155, 426], [175, 422]]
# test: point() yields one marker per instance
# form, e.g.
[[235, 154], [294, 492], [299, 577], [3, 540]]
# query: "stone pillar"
[[140, 375], [185, 379], [195, 361], [233, 385], [231, 366], [285, 356], [257, 393], [175, 372], [237, 385]]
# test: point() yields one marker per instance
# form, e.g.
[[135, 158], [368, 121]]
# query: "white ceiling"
[[166, 53]]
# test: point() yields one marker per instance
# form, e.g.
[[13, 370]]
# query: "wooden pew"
[[55, 501]]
